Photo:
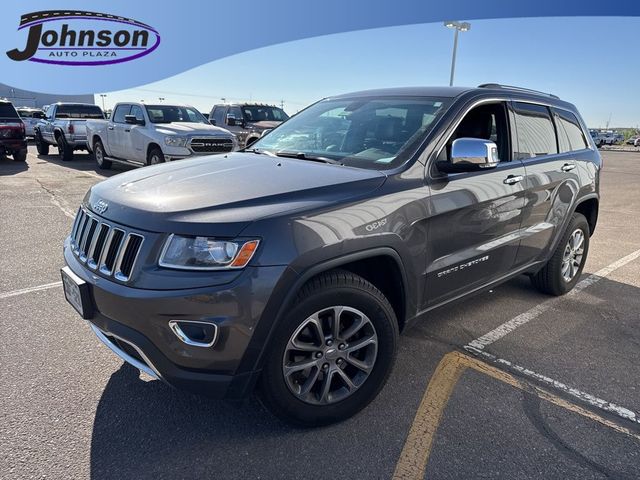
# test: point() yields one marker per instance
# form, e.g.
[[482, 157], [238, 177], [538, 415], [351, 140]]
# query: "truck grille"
[[104, 247], [211, 145]]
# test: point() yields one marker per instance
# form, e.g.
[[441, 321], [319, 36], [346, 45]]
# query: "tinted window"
[[79, 111], [259, 113], [236, 112], [137, 111], [535, 131], [120, 113], [218, 115], [7, 111], [570, 134]]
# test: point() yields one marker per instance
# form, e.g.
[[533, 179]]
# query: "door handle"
[[567, 167], [513, 179], [127, 130], [110, 127]]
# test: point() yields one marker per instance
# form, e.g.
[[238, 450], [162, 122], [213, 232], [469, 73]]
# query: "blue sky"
[[592, 62]]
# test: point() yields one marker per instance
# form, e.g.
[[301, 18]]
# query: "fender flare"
[[256, 361]]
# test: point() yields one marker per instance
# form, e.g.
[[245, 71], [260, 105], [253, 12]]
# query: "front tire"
[[98, 153], [155, 156], [333, 352], [562, 272], [43, 148], [64, 150]]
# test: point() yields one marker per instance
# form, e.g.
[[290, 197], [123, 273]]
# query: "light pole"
[[161, 99], [103, 95], [458, 27]]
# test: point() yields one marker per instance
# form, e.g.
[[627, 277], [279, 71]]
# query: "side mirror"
[[470, 155], [231, 120], [132, 120]]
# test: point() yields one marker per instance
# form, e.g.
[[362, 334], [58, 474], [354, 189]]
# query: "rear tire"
[[98, 153], [155, 156], [562, 272], [64, 150], [43, 148], [20, 155], [300, 397]]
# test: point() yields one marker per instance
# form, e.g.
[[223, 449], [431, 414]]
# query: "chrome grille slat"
[[111, 250]]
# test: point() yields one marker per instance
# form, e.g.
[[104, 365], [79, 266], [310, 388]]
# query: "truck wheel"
[[20, 155], [155, 156], [332, 353], [65, 152], [98, 153], [43, 148], [562, 271]]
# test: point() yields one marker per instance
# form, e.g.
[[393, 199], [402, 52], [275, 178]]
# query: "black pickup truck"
[[12, 132], [294, 265]]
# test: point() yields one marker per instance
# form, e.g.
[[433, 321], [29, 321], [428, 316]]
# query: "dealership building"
[[25, 98]]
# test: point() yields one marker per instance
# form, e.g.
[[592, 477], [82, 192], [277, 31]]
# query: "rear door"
[[475, 216], [551, 177]]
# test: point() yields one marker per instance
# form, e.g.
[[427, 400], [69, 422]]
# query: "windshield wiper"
[[313, 158], [259, 152]]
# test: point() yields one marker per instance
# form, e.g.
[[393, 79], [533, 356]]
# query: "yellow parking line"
[[413, 459]]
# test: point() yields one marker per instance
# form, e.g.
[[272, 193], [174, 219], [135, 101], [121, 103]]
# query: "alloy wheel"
[[573, 255], [330, 355]]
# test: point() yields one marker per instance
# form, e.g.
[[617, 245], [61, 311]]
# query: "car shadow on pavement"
[[8, 166], [149, 430], [83, 162]]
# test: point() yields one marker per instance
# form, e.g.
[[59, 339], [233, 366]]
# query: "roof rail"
[[519, 89]]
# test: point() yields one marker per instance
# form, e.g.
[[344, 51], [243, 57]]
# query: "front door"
[[475, 218]]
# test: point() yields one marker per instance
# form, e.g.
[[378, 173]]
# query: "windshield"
[[366, 132], [172, 113], [79, 111], [259, 113]]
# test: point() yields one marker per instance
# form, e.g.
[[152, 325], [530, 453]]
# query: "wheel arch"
[[352, 262], [588, 206], [151, 146]]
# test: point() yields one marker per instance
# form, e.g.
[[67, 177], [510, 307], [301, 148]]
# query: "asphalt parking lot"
[[508, 384]]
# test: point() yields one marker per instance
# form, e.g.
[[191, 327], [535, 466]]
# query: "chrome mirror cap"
[[474, 151]]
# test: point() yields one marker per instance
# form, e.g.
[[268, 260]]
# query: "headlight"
[[175, 141], [206, 253]]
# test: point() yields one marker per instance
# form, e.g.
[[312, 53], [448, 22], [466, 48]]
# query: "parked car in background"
[[30, 117], [294, 265], [64, 127], [12, 132], [636, 142], [143, 134], [632, 140], [247, 121]]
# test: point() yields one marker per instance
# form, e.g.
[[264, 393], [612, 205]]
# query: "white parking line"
[[524, 318], [610, 407], [22, 291]]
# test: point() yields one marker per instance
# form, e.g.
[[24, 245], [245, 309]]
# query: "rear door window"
[[536, 135], [79, 111], [570, 134]]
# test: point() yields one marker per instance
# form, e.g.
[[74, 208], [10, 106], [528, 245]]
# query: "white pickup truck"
[[143, 134]]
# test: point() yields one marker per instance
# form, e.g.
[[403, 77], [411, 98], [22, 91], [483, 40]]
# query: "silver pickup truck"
[[64, 127], [143, 134]]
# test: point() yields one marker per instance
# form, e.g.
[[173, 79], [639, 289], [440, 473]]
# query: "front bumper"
[[134, 323]]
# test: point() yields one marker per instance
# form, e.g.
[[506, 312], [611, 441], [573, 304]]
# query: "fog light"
[[195, 333]]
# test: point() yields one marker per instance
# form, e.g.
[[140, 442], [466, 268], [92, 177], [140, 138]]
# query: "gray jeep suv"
[[294, 265]]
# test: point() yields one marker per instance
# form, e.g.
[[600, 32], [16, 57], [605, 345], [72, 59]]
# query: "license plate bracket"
[[77, 292]]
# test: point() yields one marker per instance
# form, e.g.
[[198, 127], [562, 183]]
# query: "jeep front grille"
[[102, 246], [211, 145]]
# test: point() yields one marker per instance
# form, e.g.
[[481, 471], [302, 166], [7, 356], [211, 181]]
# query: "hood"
[[184, 128], [265, 124], [220, 195]]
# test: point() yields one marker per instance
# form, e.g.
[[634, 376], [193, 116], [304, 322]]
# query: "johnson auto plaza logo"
[[70, 37]]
